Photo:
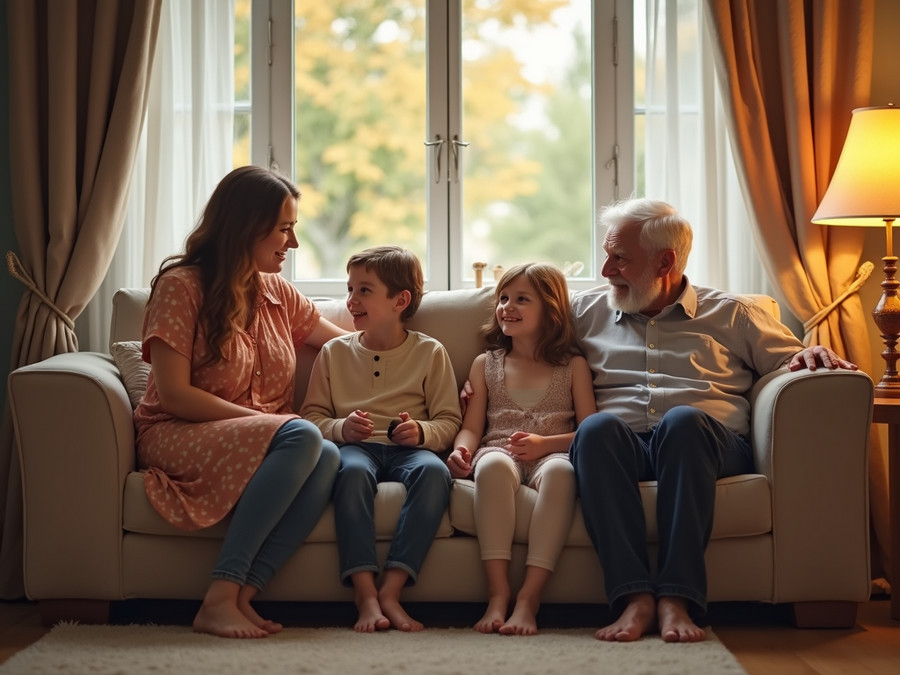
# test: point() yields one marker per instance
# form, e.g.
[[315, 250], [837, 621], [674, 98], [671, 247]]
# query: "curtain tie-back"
[[17, 271], [862, 275]]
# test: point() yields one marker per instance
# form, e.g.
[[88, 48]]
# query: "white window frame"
[[272, 125]]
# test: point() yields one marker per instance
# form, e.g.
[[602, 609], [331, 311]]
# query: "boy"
[[388, 397]]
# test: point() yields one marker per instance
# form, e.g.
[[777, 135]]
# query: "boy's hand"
[[459, 462], [407, 432], [357, 427]]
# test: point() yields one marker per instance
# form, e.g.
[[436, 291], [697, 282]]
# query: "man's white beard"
[[635, 298]]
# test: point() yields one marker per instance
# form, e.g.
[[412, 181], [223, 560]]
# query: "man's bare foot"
[[370, 616], [675, 624], [523, 620], [494, 615], [226, 620], [398, 617], [638, 619]]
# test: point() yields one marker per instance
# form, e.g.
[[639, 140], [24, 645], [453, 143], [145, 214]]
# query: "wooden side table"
[[887, 411]]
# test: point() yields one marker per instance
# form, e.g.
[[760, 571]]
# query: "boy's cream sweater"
[[416, 377]]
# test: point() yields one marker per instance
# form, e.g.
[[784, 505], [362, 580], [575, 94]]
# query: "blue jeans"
[[280, 505], [686, 453], [427, 481]]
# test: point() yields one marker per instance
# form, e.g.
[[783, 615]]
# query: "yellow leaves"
[[355, 158], [405, 219], [312, 202], [504, 183]]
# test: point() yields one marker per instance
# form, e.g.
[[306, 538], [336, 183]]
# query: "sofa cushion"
[[140, 517], [133, 369], [743, 508]]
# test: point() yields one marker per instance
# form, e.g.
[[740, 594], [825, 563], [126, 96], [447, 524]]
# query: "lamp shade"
[[865, 187]]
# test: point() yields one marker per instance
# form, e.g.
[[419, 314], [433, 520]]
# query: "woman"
[[215, 429]]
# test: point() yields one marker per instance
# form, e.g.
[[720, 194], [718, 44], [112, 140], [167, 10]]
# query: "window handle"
[[435, 146], [455, 145]]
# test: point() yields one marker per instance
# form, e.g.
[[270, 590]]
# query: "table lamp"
[[865, 192]]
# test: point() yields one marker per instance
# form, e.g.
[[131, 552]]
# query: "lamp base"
[[887, 317], [888, 388]]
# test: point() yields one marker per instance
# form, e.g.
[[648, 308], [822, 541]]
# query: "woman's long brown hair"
[[242, 210]]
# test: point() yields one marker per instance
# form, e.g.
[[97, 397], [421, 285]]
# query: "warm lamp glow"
[[865, 191], [865, 188]]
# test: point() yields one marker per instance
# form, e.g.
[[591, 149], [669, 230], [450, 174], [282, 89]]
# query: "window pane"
[[360, 122], [526, 80], [241, 149]]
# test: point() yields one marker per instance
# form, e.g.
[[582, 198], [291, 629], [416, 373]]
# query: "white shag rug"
[[138, 650]]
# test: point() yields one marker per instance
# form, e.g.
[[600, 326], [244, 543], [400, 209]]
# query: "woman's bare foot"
[[523, 620], [370, 617], [226, 620], [675, 624], [638, 619], [398, 617], [494, 615]]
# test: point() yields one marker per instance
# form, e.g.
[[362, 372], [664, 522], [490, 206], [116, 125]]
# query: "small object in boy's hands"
[[391, 427]]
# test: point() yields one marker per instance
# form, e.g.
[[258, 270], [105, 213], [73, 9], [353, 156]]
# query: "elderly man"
[[672, 365]]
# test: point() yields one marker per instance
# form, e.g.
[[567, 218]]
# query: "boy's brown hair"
[[398, 268]]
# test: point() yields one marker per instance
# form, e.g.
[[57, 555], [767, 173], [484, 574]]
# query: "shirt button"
[[653, 410], [258, 373], [652, 386], [652, 346], [652, 322], [377, 373], [652, 370], [377, 358]]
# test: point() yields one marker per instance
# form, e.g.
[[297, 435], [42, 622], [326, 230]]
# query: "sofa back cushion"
[[451, 317]]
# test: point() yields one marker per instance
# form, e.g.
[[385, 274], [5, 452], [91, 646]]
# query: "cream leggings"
[[497, 481]]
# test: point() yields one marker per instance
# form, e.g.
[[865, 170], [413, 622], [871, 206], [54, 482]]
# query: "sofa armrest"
[[810, 434], [75, 434]]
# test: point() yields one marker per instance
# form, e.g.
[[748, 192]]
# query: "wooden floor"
[[760, 636]]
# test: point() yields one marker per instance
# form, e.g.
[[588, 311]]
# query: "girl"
[[215, 429], [529, 391]]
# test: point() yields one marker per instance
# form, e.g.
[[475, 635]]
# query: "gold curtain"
[[79, 77], [792, 73]]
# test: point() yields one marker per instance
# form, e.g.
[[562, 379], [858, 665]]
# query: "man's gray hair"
[[661, 226]]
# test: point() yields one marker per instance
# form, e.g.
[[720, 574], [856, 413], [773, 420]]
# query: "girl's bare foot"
[[371, 617], [226, 620], [398, 617], [494, 615], [523, 620], [675, 624], [638, 619]]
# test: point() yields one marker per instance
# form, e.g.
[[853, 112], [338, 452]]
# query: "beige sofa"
[[796, 532]]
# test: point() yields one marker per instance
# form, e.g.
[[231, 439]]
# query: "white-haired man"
[[672, 365]]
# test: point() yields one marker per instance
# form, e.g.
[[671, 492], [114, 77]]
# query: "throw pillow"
[[132, 367]]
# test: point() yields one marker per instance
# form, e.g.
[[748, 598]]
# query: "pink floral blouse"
[[194, 472]]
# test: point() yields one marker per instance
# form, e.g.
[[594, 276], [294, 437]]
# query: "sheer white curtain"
[[688, 160], [186, 148]]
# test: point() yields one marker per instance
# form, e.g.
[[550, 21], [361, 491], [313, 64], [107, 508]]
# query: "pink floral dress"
[[194, 472]]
